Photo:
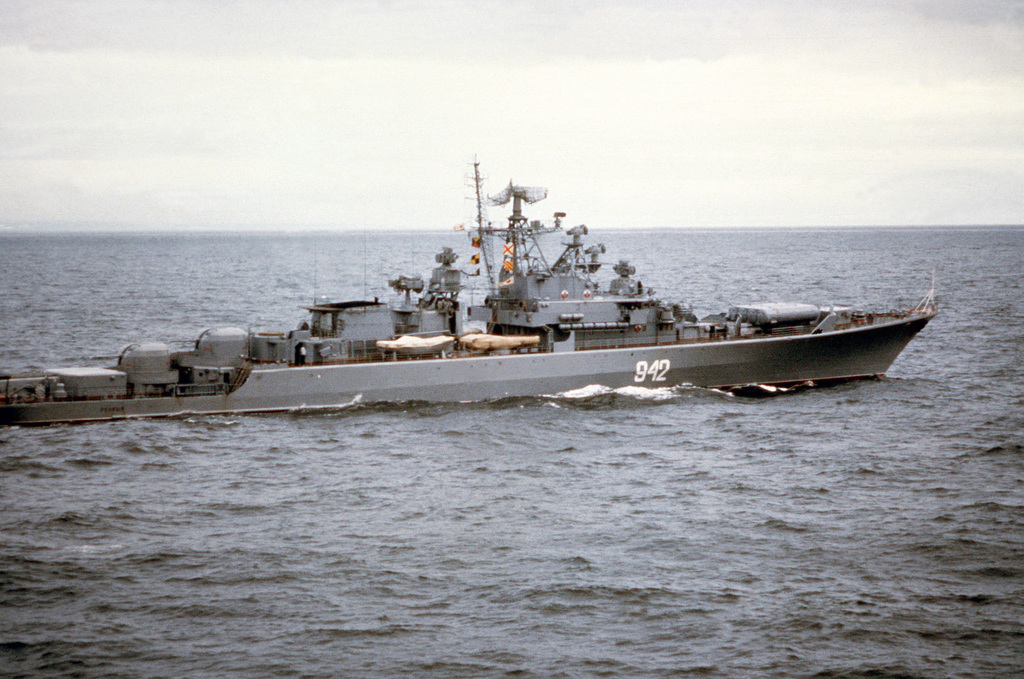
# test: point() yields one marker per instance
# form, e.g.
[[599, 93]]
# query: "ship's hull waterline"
[[864, 351]]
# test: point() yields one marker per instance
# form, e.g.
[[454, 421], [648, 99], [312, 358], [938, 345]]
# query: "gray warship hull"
[[550, 327], [784, 360]]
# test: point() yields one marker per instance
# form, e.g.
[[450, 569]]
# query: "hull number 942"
[[655, 371]]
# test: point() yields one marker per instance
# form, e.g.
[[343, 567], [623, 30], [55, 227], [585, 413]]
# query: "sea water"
[[873, 529]]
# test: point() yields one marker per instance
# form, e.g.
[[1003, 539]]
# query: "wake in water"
[[638, 393], [595, 391], [600, 396], [334, 407], [588, 397], [768, 390]]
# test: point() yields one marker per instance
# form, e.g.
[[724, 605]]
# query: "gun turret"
[[408, 285]]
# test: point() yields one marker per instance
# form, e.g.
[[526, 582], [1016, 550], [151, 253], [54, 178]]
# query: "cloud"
[[364, 114], [489, 30]]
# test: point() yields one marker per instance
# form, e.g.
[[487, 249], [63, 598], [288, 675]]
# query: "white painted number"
[[655, 371]]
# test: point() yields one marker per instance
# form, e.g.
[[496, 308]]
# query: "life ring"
[[586, 294], [638, 328], [565, 294]]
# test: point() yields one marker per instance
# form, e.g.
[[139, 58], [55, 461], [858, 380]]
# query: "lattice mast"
[[521, 252], [484, 233]]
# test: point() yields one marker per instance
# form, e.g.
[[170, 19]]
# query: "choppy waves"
[[868, 529]]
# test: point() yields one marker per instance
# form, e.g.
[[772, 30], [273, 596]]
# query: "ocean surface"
[[873, 529]]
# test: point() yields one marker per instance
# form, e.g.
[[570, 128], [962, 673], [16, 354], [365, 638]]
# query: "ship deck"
[[189, 390]]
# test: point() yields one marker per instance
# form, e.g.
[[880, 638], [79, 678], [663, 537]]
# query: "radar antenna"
[[518, 194]]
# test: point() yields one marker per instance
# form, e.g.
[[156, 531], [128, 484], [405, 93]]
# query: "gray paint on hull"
[[845, 354]]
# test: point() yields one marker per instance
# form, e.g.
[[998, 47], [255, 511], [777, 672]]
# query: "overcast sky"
[[647, 113]]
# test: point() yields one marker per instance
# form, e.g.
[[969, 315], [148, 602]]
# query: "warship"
[[546, 326]]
